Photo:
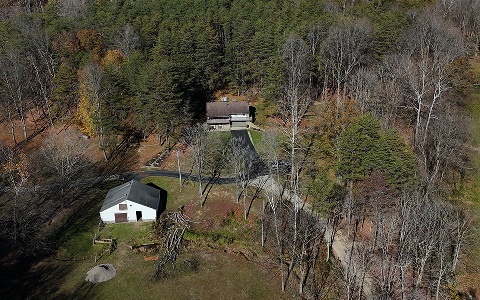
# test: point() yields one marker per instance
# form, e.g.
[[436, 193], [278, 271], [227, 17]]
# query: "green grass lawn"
[[224, 135], [219, 275], [256, 137], [177, 195]]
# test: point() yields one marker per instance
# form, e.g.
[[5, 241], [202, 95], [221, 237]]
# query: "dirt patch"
[[170, 161], [6, 129], [219, 95], [221, 206], [148, 149]]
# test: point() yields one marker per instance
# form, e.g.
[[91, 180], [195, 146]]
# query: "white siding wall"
[[148, 214], [239, 117]]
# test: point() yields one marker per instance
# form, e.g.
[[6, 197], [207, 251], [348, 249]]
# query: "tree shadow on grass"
[[208, 187], [28, 281], [83, 291], [124, 158], [42, 278], [85, 215]]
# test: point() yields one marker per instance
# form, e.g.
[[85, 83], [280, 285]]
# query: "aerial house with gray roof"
[[131, 202], [228, 114]]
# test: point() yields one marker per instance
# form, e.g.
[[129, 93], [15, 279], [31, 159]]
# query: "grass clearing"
[[256, 137], [224, 135], [177, 195], [219, 274]]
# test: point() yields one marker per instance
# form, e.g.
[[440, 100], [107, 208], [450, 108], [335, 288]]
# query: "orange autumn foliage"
[[87, 107], [90, 41], [66, 42], [17, 167]]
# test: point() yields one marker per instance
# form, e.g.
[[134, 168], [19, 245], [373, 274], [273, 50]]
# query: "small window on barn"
[[122, 207]]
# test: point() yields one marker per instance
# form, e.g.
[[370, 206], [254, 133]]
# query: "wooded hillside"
[[371, 100]]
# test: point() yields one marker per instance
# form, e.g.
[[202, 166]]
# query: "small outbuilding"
[[132, 202]]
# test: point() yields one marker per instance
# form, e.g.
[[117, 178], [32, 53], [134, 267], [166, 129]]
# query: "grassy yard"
[[219, 275], [224, 135], [256, 137], [220, 208], [177, 195]]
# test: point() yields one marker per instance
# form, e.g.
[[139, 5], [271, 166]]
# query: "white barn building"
[[131, 202]]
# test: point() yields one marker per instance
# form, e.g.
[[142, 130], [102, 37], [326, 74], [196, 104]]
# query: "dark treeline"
[[115, 66], [118, 66]]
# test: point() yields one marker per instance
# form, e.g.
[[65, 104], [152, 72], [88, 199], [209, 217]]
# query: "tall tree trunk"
[[24, 126], [245, 190], [263, 223], [179, 171], [200, 190], [105, 157], [12, 128]]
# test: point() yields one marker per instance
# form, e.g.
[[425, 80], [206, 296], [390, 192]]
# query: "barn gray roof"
[[133, 191], [225, 109]]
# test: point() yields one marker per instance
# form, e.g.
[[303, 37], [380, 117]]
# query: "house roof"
[[133, 191], [225, 109]]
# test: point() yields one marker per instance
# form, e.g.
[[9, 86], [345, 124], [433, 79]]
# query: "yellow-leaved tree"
[[113, 59], [86, 105]]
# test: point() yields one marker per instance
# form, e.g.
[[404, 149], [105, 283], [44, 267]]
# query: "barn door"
[[121, 218]]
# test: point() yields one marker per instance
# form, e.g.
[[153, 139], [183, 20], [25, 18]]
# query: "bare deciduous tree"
[[407, 247], [466, 16], [43, 64], [67, 154], [72, 8], [295, 103], [242, 163], [14, 86], [345, 49], [430, 47], [215, 149], [16, 168], [195, 137], [235, 161], [127, 39], [269, 151], [296, 240], [418, 85]]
